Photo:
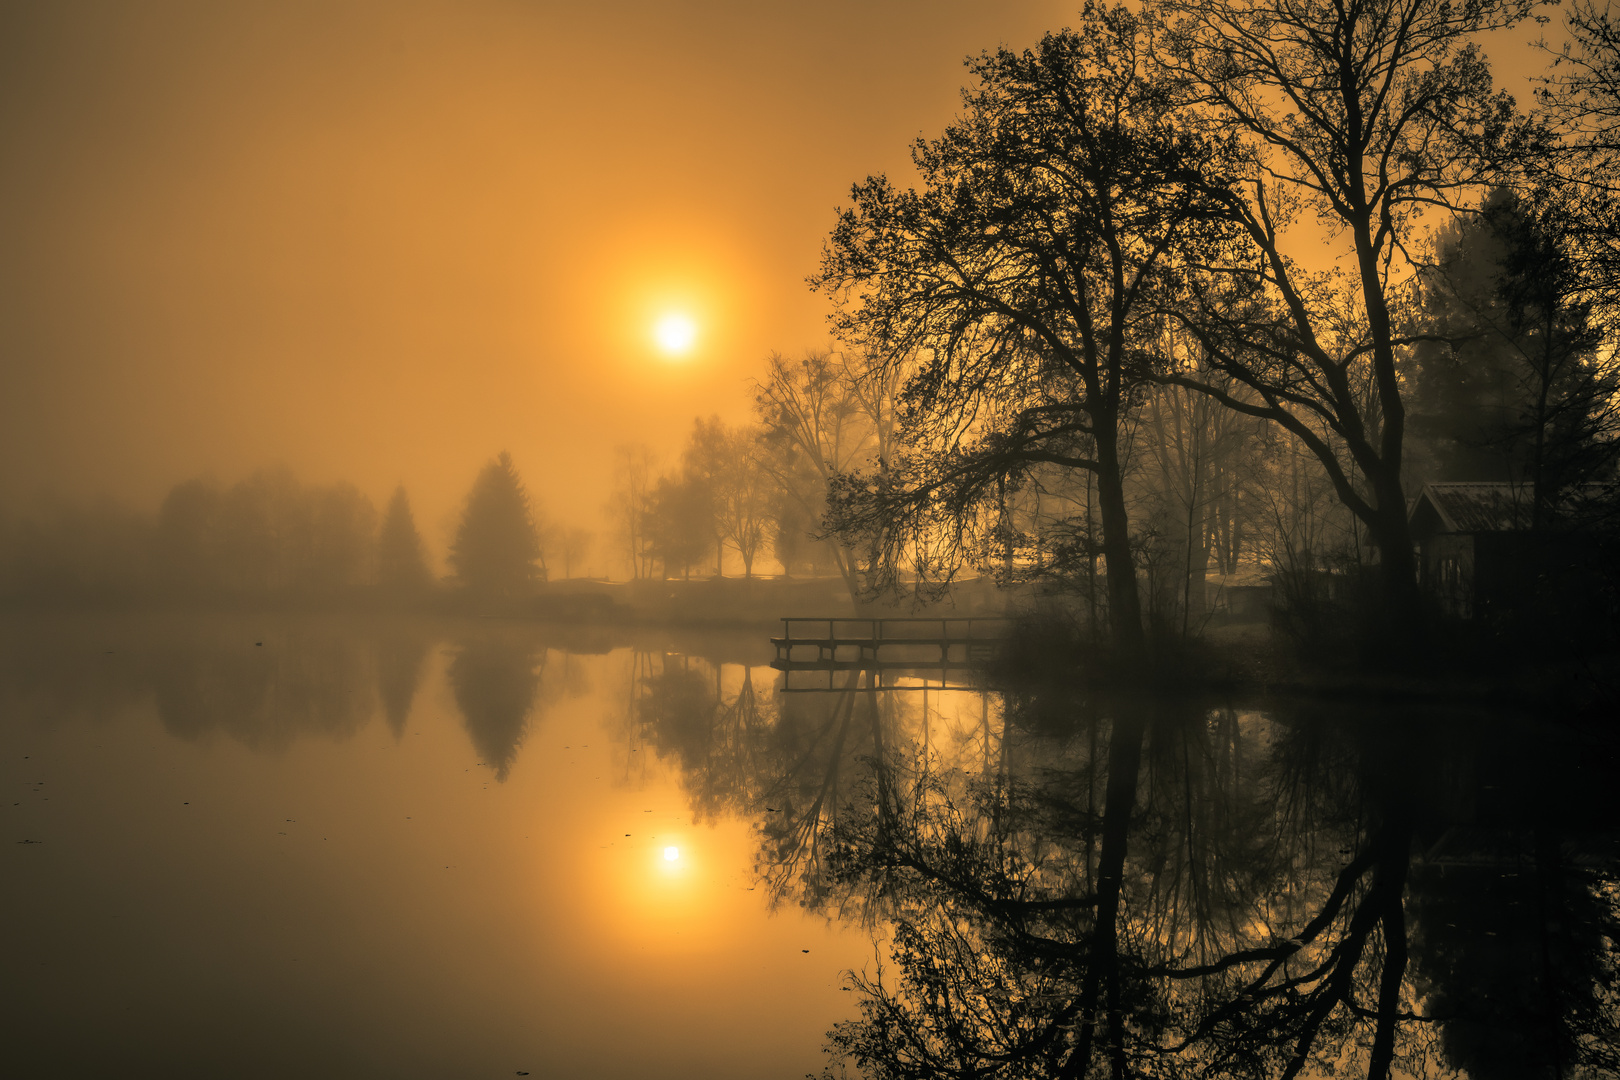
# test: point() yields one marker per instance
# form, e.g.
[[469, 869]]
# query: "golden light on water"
[[675, 334]]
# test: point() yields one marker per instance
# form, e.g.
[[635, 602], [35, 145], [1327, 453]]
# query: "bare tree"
[[1580, 98], [574, 546], [820, 420], [633, 466], [1361, 115], [1198, 457], [742, 496], [1019, 278]]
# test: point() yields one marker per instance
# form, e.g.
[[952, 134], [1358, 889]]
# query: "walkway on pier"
[[889, 645]]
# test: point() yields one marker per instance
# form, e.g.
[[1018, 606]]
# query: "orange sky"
[[383, 241]]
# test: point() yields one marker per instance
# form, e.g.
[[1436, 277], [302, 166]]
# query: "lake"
[[247, 846]]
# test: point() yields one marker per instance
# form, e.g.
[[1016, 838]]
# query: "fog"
[[380, 242], [923, 539]]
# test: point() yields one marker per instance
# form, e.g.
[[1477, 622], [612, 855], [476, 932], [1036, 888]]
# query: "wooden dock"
[[895, 647]]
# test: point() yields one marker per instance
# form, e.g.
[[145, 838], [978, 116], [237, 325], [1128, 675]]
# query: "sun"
[[675, 334], [672, 853]]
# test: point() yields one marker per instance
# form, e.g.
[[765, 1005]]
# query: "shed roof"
[[1475, 507]]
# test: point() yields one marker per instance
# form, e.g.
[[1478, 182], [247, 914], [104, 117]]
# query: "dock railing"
[[869, 635]]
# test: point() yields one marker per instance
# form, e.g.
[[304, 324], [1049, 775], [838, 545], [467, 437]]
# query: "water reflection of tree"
[[496, 678], [308, 680], [1162, 893], [1157, 887], [1518, 915], [263, 682], [783, 759], [401, 657]]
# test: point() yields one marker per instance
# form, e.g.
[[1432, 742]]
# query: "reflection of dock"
[[896, 654]]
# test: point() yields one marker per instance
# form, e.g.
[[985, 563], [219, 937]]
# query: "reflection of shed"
[[1474, 545]]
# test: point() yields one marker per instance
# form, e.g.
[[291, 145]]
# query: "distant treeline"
[[268, 534], [272, 537]]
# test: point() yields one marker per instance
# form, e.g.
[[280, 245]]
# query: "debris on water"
[[30, 841], [258, 643]]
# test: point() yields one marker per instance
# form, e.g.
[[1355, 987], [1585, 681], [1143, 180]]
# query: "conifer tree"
[[496, 546], [401, 556]]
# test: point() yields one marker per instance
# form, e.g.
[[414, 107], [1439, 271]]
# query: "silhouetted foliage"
[[1519, 389], [1364, 116], [265, 535], [1023, 278], [401, 657], [401, 556], [821, 416], [307, 680], [496, 546], [1580, 182], [1214, 893], [679, 524], [574, 546], [631, 505], [495, 680]]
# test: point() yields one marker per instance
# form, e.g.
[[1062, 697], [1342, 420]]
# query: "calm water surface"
[[279, 846], [436, 851]]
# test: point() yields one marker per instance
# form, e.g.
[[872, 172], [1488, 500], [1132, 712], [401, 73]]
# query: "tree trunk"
[[1195, 594], [1400, 614], [1124, 605], [1100, 986]]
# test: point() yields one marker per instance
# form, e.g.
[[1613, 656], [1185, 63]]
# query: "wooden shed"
[[1476, 552]]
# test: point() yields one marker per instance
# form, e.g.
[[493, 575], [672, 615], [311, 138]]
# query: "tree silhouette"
[[401, 558], [265, 534], [1580, 95], [1022, 278], [822, 415], [1519, 389], [1363, 115], [679, 525], [496, 546], [704, 465], [574, 545], [400, 658], [495, 680]]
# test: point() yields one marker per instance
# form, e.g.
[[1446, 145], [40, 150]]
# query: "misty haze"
[[891, 541]]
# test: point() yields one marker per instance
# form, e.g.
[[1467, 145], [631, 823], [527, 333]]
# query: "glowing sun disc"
[[675, 333], [672, 853]]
